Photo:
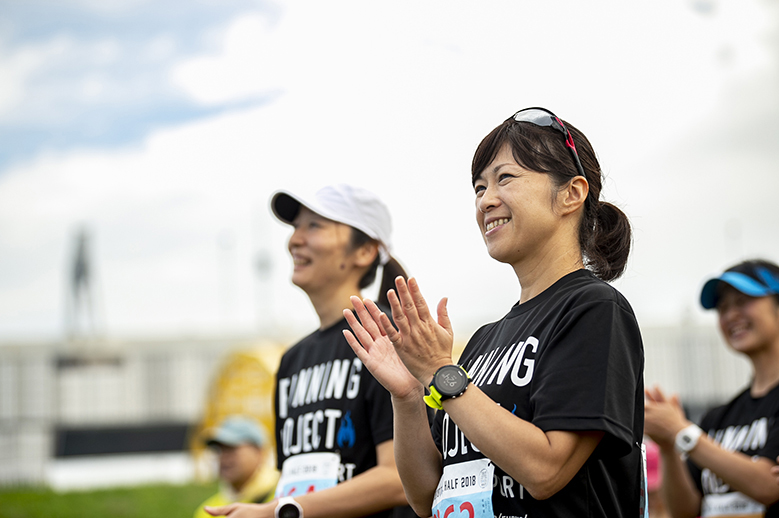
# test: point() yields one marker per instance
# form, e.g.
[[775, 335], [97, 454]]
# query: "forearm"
[[542, 462], [679, 491], [416, 455], [372, 491], [750, 477]]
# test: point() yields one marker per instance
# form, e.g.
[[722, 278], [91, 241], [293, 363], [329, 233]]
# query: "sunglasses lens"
[[542, 117], [535, 116]]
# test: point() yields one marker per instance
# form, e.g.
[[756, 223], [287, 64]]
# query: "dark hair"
[[750, 268], [604, 230], [389, 272]]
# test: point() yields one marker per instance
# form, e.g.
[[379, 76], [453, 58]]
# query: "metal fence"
[[45, 388]]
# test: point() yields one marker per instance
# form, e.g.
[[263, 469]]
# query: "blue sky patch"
[[99, 76]]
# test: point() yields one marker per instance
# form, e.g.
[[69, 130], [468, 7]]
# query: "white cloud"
[[396, 98], [18, 68], [246, 67]]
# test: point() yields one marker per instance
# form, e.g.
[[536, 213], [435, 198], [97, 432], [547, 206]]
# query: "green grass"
[[163, 501]]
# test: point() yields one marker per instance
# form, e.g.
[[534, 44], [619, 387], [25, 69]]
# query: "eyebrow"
[[494, 170]]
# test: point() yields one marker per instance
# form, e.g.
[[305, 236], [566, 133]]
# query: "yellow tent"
[[244, 385]]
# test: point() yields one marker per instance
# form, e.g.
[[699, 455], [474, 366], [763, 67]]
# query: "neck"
[[537, 273], [765, 365], [329, 305]]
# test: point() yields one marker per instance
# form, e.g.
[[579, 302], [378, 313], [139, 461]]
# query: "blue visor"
[[742, 282]]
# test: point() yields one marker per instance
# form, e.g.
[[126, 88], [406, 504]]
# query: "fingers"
[[410, 297], [676, 402], [650, 395], [218, 511], [443, 316], [369, 323], [361, 337], [419, 301], [375, 314], [358, 349], [384, 323], [654, 394], [397, 312], [394, 336]]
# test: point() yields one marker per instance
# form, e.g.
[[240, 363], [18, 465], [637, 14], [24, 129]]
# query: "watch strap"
[[687, 439], [285, 501], [435, 398]]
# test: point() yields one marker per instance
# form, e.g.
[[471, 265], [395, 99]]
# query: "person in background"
[[543, 416], [730, 457], [245, 471], [334, 436], [654, 481]]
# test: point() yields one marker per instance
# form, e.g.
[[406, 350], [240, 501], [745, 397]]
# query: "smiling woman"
[[543, 415], [731, 455], [334, 433]]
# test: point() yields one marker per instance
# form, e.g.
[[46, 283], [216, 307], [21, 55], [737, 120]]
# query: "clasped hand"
[[663, 417], [400, 359]]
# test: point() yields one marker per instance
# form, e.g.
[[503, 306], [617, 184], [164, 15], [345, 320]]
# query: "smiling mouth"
[[496, 223], [300, 261], [737, 329]]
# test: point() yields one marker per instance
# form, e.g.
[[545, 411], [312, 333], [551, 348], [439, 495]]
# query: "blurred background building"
[[103, 413]]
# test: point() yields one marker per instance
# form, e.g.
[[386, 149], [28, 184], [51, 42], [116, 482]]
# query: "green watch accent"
[[449, 382], [434, 399]]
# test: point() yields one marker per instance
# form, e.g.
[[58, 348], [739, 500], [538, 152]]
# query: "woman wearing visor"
[[333, 419], [543, 415], [729, 458]]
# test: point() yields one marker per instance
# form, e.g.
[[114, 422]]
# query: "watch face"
[[289, 511], [450, 381]]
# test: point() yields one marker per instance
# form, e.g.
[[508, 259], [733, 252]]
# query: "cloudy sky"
[[162, 127]]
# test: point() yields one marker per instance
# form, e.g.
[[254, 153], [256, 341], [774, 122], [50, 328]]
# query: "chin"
[[499, 256], [299, 281]]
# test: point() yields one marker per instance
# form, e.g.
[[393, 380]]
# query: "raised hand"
[[423, 343], [663, 417], [375, 350]]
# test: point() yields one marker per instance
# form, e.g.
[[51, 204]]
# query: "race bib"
[[465, 490], [308, 473], [731, 505]]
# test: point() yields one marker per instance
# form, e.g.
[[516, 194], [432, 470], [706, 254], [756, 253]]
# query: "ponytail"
[[389, 273], [605, 240]]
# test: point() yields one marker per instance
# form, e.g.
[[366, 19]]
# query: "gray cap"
[[342, 203], [237, 430]]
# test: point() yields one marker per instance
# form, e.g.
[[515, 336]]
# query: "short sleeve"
[[587, 376]]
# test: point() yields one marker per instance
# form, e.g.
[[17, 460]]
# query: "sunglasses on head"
[[543, 117]]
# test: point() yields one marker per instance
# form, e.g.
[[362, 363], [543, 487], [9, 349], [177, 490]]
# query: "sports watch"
[[687, 439], [288, 508], [449, 382]]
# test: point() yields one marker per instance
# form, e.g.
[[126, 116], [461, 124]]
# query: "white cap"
[[342, 203]]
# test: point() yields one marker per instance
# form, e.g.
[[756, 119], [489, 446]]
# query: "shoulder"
[[322, 345], [299, 347], [582, 295], [742, 406], [582, 285]]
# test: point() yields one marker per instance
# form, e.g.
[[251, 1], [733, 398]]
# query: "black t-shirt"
[[569, 359], [747, 425], [327, 401]]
